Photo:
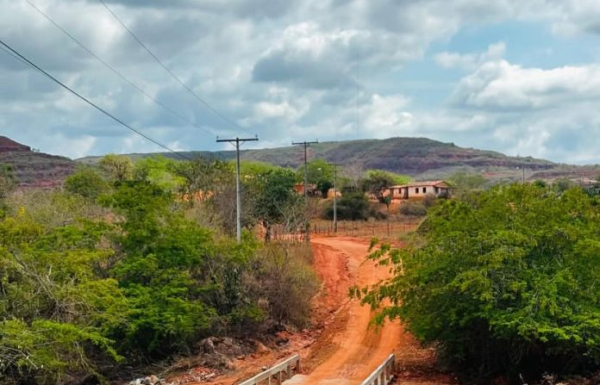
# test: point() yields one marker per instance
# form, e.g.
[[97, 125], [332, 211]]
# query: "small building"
[[418, 190], [311, 189]]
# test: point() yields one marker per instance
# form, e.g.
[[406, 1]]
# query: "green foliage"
[[502, 282], [56, 311], [351, 207], [82, 286], [390, 177], [464, 182], [274, 193], [87, 182], [160, 171], [413, 209], [117, 167], [376, 183]]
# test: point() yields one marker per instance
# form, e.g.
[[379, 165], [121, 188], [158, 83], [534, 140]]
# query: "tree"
[[160, 171], [351, 206], [464, 182], [320, 173], [117, 167], [377, 183], [87, 182], [274, 192], [502, 282]]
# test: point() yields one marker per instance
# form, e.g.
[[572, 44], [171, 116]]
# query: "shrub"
[[502, 282], [352, 206], [413, 209], [284, 283]]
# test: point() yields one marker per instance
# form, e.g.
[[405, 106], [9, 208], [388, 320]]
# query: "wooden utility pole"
[[306, 144], [238, 197], [335, 224]]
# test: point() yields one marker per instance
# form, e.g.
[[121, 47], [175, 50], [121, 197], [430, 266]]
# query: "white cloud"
[[502, 85], [472, 60], [287, 69]]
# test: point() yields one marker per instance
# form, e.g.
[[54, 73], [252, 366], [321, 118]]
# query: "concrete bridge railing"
[[276, 374], [384, 374]]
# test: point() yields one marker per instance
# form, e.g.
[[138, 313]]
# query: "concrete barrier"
[[384, 374], [276, 373]]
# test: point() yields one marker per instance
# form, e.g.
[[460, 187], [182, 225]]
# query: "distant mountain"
[[34, 169], [420, 158]]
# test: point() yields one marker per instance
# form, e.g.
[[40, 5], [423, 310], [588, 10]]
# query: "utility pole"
[[306, 144], [238, 197], [335, 224]]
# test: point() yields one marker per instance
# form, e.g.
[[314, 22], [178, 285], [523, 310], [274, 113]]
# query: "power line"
[[35, 66], [164, 66], [119, 74]]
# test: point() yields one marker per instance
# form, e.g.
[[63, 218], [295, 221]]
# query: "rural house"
[[418, 190]]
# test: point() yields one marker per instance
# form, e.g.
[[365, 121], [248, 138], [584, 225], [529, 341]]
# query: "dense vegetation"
[[134, 263], [503, 282]]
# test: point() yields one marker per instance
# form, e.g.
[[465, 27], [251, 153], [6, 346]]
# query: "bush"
[[413, 209], [503, 282], [352, 206], [284, 283]]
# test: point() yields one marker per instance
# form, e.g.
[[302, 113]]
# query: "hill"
[[420, 158], [34, 169]]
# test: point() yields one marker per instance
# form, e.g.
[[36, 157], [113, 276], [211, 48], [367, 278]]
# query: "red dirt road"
[[357, 349], [341, 348]]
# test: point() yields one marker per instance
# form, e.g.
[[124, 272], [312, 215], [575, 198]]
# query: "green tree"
[[160, 171], [117, 167], [87, 182], [464, 182], [274, 192], [502, 282], [160, 269], [56, 313], [377, 182], [351, 206]]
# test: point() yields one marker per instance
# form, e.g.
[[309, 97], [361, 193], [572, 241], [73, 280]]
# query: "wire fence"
[[379, 229]]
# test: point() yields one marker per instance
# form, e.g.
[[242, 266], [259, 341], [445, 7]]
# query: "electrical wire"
[[177, 79], [55, 80], [119, 74]]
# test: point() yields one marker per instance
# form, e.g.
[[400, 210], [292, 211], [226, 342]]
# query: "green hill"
[[420, 158]]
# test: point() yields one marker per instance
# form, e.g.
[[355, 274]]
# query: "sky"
[[519, 77]]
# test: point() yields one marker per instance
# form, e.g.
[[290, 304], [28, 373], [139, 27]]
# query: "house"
[[311, 189], [418, 190]]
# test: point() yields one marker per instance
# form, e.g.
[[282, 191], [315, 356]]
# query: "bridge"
[[287, 373]]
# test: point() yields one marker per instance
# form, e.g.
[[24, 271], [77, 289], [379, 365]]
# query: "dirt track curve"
[[355, 350]]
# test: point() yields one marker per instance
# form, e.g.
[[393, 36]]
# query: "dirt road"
[[341, 348], [355, 350]]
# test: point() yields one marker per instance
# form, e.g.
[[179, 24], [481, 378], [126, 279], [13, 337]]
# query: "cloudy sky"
[[520, 77]]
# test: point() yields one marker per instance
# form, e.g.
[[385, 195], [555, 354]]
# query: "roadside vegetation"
[[134, 263], [503, 282]]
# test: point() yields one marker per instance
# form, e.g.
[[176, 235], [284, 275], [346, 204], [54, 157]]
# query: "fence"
[[276, 373], [384, 374], [380, 229]]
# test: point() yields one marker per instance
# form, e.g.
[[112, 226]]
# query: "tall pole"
[[238, 196], [306, 144], [335, 224]]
